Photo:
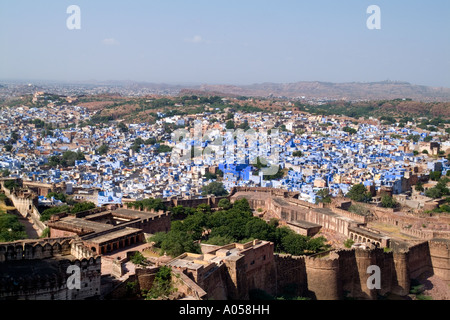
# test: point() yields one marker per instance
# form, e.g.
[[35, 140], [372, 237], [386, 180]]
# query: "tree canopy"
[[10, 228], [215, 188], [236, 224], [359, 193], [440, 189], [67, 159]]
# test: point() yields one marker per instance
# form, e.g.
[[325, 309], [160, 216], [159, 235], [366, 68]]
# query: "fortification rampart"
[[290, 273], [186, 286], [26, 205], [38, 270], [323, 277], [280, 205], [159, 221], [31, 250], [440, 258], [350, 215], [419, 259], [344, 273], [273, 191]]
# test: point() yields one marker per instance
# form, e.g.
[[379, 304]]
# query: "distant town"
[[108, 178]]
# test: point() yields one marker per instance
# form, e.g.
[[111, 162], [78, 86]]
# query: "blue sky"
[[226, 42]]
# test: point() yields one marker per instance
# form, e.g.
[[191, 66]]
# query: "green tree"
[[210, 176], [162, 285], [236, 224], [229, 125], [388, 202], [57, 196], [349, 130], [359, 193], [175, 243], [434, 193], [440, 189], [67, 159], [324, 196], [5, 173], [45, 233], [193, 225], [224, 204], [3, 198], [215, 188], [103, 149], [11, 185], [276, 176], [163, 149], [435, 175], [297, 154], [138, 259], [348, 243], [256, 228], [419, 187], [219, 240], [294, 244], [244, 125], [10, 228], [180, 212], [413, 137], [150, 141], [48, 213], [82, 206], [315, 245]]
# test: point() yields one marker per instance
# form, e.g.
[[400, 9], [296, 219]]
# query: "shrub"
[[162, 285], [348, 243], [138, 259], [388, 202]]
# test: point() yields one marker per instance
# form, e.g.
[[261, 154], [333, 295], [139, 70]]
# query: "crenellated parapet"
[[42, 269], [35, 249]]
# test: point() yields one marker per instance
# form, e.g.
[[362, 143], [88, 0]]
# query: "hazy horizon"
[[230, 43]]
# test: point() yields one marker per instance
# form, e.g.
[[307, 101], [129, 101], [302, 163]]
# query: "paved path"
[[29, 227]]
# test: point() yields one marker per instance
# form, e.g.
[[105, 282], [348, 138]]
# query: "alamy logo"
[[374, 21], [374, 281], [228, 147], [74, 281], [73, 22]]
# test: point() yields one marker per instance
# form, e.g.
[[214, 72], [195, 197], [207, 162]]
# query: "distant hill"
[[386, 90], [352, 91]]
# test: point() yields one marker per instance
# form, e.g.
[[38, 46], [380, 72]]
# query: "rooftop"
[[80, 225], [114, 235]]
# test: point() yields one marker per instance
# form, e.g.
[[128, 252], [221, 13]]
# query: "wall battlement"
[[344, 271], [43, 249], [39, 269], [31, 250]]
